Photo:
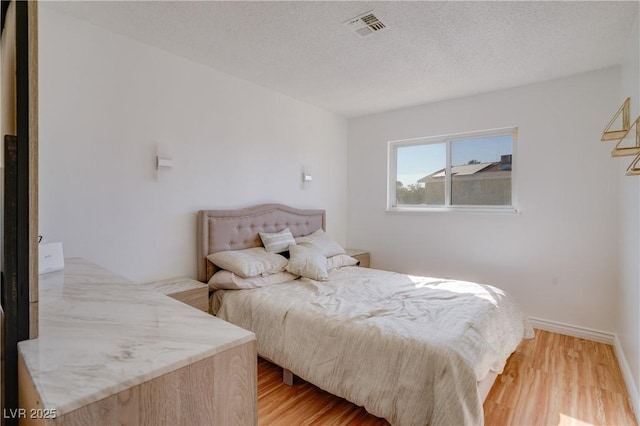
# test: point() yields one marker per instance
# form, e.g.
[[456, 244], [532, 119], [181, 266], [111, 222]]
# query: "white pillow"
[[230, 281], [340, 260], [249, 262], [277, 242], [307, 262], [321, 242]]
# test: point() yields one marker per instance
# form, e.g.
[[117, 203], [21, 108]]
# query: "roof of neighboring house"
[[467, 169]]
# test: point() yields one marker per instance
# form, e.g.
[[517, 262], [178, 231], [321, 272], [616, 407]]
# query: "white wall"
[[628, 326], [559, 256], [108, 103]]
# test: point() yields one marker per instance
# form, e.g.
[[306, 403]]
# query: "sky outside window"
[[483, 150], [418, 161]]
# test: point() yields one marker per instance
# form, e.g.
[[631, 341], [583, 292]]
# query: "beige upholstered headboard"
[[220, 230]]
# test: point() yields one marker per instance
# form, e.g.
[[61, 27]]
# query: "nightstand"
[[361, 255], [192, 292]]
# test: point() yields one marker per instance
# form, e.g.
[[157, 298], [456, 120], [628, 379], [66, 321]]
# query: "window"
[[471, 170]]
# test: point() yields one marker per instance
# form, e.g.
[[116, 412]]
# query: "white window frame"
[[392, 173]]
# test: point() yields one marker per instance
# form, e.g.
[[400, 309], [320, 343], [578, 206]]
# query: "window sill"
[[450, 209]]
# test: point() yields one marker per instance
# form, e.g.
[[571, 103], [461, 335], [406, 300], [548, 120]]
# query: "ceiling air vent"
[[365, 24]]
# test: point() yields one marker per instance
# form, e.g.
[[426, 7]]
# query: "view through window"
[[470, 170]]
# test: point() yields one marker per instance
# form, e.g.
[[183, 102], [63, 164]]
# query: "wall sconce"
[[163, 163]]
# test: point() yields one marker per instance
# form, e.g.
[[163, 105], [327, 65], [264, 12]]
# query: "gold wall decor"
[[620, 134], [622, 151], [633, 169], [614, 135]]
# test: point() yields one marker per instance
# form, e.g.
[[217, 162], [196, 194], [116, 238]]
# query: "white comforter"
[[409, 349]]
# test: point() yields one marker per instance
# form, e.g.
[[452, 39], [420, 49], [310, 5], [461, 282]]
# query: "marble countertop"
[[101, 334], [175, 285]]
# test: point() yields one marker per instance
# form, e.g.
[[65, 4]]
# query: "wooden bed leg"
[[287, 377]]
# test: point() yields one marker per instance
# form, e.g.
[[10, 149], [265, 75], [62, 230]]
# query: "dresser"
[[111, 352]]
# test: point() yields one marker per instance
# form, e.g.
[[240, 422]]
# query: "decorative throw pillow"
[[307, 262], [277, 242], [230, 281], [249, 262], [340, 260], [321, 242]]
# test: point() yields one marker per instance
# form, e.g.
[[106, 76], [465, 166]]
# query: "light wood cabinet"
[[219, 390], [111, 352]]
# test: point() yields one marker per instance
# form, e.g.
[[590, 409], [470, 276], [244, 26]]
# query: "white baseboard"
[[573, 330], [596, 336], [632, 387]]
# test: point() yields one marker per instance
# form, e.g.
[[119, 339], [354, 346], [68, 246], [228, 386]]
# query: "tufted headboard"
[[220, 230]]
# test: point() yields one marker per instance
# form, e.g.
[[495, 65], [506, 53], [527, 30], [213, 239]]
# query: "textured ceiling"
[[430, 51]]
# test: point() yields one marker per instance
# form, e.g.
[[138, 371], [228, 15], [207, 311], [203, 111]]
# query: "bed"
[[413, 350]]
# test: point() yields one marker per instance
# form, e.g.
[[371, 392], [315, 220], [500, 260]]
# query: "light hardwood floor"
[[550, 380]]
